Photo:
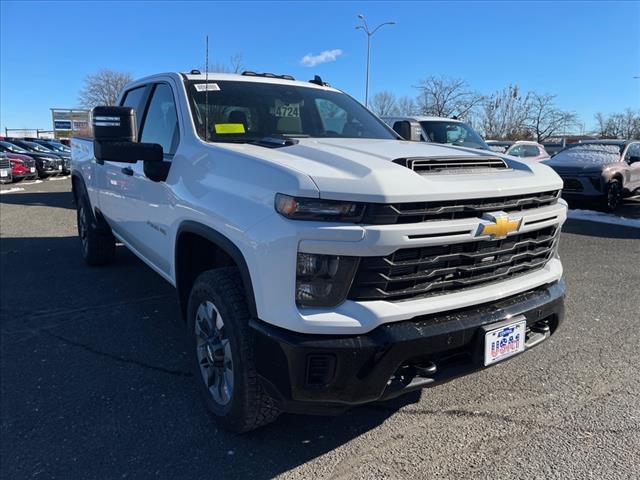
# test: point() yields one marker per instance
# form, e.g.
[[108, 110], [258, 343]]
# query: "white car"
[[528, 150], [320, 262], [448, 131]]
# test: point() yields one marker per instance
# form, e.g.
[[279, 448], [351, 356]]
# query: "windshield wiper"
[[274, 142], [268, 141]]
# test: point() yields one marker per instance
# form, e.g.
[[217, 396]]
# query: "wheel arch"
[[193, 234]]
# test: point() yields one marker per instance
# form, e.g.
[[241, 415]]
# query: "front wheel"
[[223, 357], [613, 195]]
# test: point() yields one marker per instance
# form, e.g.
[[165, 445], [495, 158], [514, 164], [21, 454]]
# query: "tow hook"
[[541, 327], [427, 370]]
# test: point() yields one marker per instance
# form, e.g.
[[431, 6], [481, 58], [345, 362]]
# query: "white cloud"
[[310, 60]]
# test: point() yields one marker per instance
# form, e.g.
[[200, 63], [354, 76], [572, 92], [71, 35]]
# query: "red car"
[[22, 167]]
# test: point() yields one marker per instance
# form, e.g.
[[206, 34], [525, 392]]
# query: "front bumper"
[[309, 373], [582, 187]]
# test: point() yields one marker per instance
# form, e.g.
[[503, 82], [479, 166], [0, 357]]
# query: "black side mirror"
[[115, 137], [633, 159], [117, 124], [403, 128]]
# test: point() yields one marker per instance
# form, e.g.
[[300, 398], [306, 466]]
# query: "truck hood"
[[363, 170]]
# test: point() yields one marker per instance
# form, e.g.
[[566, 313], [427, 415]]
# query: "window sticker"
[[207, 87], [226, 128], [290, 110]]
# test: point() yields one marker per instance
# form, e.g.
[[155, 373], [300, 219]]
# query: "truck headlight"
[[299, 208], [323, 280]]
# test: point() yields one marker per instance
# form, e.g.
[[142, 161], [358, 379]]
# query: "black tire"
[[98, 247], [247, 405], [613, 195]]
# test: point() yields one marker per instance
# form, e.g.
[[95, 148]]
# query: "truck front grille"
[[426, 271], [572, 184], [417, 212], [5, 162]]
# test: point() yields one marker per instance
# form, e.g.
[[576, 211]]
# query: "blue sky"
[[586, 53]]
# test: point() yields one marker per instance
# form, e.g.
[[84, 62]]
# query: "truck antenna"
[[206, 89]]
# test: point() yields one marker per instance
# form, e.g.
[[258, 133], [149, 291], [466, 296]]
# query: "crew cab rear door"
[[139, 210]]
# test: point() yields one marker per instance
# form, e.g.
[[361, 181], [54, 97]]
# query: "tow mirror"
[[116, 124], [115, 137], [403, 128]]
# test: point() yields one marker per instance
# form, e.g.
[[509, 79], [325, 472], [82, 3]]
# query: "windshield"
[[13, 148], [590, 152], [454, 133], [240, 111], [58, 147], [37, 147]]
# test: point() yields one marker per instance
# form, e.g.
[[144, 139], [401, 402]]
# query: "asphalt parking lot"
[[95, 381]]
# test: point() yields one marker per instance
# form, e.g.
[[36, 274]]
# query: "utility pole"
[[365, 28]]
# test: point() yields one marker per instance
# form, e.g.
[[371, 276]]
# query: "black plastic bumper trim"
[[368, 364]]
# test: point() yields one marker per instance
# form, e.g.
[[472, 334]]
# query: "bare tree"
[[384, 103], [546, 119], [103, 88], [619, 125], [235, 65], [504, 114], [406, 106], [446, 97]]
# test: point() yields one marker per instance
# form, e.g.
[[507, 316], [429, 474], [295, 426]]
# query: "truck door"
[[141, 209]]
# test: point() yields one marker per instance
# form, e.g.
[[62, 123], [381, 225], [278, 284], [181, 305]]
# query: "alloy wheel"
[[614, 196], [83, 229], [214, 353]]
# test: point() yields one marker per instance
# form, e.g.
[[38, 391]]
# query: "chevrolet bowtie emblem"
[[501, 225]]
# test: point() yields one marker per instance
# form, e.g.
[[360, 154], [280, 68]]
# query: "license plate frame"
[[504, 340]]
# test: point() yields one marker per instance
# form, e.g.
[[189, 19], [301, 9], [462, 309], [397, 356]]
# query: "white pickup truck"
[[320, 261]]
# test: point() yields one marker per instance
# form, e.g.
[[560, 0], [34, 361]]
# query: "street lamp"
[[365, 28]]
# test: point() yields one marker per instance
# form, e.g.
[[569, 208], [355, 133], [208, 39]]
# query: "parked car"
[[53, 145], [600, 172], [40, 147], [437, 130], [553, 148], [528, 150], [320, 261], [23, 167], [47, 164], [500, 146], [5, 169]]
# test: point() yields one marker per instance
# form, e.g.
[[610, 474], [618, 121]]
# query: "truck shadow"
[[39, 199], [602, 230], [110, 343]]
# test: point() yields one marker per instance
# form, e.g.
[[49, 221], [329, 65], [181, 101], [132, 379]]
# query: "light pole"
[[365, 28]]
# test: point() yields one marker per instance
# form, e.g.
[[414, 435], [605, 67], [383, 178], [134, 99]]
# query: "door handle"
[[127, 171]]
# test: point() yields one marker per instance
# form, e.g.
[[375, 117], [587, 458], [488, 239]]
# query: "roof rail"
[[249, 73]]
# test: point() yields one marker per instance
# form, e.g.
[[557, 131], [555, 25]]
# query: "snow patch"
[[12, 190], [602, 217]]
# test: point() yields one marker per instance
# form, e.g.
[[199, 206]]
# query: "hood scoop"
[[453, 165]]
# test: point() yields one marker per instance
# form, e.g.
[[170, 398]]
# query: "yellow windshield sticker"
[[224, 128]]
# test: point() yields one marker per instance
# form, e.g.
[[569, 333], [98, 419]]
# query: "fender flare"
[[80, 190], [227, 246]]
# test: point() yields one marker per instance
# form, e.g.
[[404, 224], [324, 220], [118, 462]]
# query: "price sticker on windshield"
[[288, 110]]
